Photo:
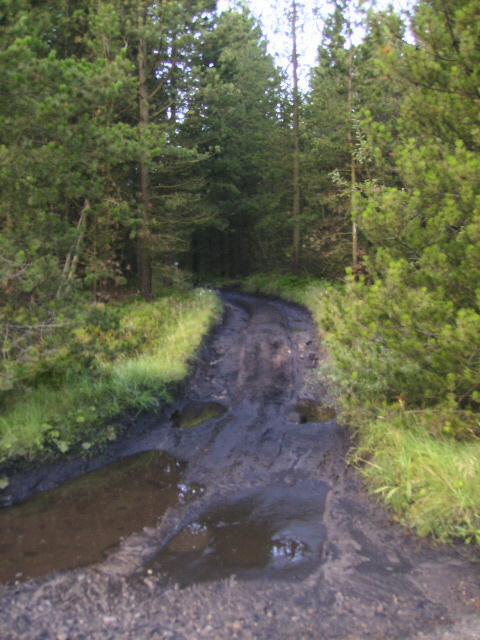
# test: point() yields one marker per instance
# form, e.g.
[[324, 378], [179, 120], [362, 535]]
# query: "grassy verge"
[[129, 364], [432, 484], [292, 288], [412, 459]]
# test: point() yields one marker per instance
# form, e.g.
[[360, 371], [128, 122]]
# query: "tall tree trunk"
[[296, 146], [353, 176], [71, 261], [144, 248]]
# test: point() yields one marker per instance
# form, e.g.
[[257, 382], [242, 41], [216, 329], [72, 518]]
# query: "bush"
[[389, 343], [404, 367]]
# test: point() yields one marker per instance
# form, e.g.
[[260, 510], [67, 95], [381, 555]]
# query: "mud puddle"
[[196, 413], [274, 532], [82, 522], [311, 411]]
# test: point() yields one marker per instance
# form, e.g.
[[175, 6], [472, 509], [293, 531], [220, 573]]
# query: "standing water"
[[81, 522]]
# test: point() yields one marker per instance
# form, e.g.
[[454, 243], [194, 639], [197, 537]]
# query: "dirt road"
[[280, 543]]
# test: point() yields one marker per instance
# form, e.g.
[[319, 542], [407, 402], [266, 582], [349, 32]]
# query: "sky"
[[269, 12]]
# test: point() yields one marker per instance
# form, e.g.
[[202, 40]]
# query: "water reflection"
[[81, 522], [272, 531], [311, 411], [287, 550]]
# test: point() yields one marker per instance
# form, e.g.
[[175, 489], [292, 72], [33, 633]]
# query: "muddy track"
[[282, 543]]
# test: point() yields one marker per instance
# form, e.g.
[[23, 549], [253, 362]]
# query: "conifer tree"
[[341, 88], [76, 139], [235, 118], [60, 140], [416, 329], [432, 221]]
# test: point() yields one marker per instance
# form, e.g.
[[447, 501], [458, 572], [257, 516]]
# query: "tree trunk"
[[71, 261], [296, 146], [144, 247], [353, 177]]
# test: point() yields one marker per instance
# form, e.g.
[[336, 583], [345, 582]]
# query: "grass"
[[301, 290], [153, 345], [409, 459], [431, 484]]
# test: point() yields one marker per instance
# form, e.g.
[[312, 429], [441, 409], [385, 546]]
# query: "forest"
[[151, 149]]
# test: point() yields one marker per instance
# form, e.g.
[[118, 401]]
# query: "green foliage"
[[393, 343], [63, 143], [235, 116], [73, 140], [122, 358], [433, 485], [289, 287], [346, 88], [415, 330], [71, 144], [403, 365]]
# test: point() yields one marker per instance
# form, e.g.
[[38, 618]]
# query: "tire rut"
[[283, 542]]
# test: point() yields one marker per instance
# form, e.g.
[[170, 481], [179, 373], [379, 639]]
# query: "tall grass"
[[152, 348], [432, 484]]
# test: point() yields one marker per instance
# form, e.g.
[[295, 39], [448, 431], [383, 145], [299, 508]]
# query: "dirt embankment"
[[280, 543]]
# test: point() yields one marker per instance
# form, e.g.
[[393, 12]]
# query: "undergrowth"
[[405, 384], [121, 358], [431, 483], [302, 290]]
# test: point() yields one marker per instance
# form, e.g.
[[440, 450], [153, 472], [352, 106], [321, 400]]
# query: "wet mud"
[[274, 536]]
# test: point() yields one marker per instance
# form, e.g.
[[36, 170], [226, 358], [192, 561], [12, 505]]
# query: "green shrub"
[[404, 367], [390, 343]]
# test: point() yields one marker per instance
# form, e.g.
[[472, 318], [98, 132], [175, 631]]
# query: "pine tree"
[[345, 90], [57, 106], [416, 329], [76, 139], [431, 222], [234, 117]]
